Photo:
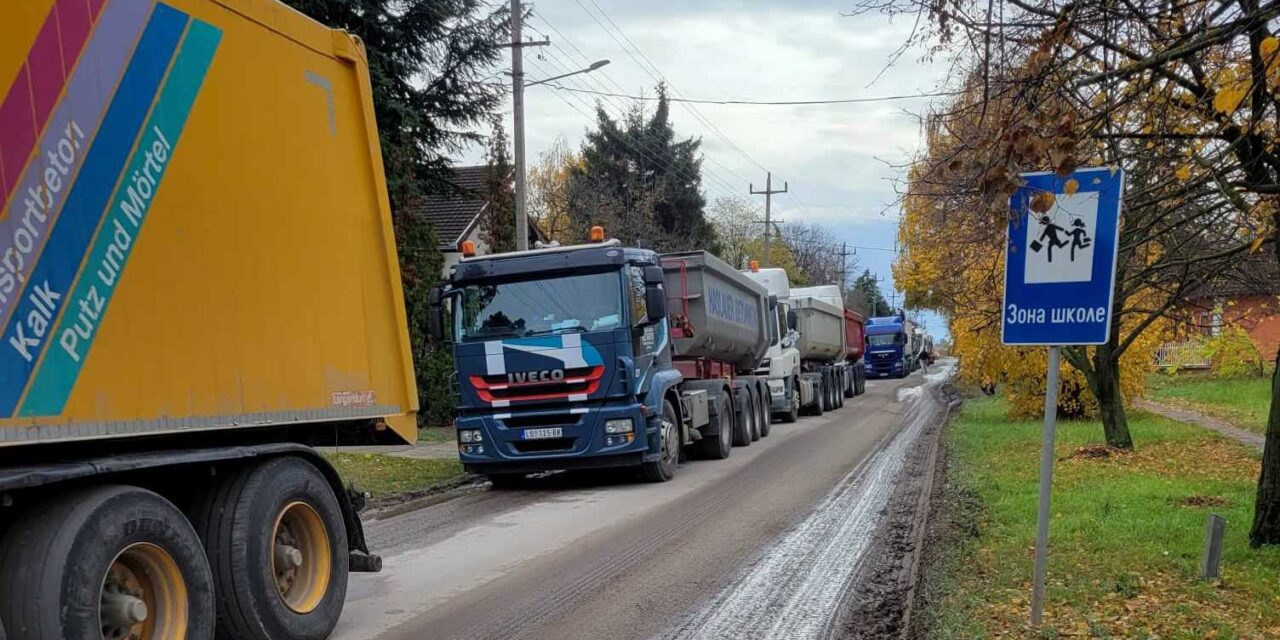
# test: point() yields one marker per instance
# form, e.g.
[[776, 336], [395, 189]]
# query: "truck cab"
[[888, 347], [781, 364], [562, 357]]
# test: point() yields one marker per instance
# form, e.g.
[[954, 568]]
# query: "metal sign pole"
[[1046, 488]]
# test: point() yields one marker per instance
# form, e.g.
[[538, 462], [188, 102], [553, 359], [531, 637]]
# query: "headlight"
[[619, 425], [468, 436]]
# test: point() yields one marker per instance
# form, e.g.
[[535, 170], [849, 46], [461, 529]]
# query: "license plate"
[[541, 434]]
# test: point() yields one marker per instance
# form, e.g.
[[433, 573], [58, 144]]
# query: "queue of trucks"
[[599, 356]]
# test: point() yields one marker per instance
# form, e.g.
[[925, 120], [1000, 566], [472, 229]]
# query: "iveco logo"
[[546, 375]]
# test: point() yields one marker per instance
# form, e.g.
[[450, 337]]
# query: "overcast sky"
[[838, 160]]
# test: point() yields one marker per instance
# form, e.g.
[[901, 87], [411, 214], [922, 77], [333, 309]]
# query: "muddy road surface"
[[765, 544]]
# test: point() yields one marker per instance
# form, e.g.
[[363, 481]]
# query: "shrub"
[[1232, 354]]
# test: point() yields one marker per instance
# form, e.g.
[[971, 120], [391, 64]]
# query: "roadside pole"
[[1059, 285], [1046, 487]]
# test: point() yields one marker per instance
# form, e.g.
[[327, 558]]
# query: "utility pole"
[[844, 261], [768, 201], [517, 104]]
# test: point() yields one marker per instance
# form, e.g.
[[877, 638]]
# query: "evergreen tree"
[[876, 304], [498, 226], [428, 63], [642, 182]]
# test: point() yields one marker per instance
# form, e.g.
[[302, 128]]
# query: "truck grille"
[[582, 381]]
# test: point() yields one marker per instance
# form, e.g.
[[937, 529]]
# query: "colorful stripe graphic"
[[40, 81], [61, 151], [42, 297], [119, 233]]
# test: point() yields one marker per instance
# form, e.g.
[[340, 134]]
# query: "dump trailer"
[[823, 322], [198, 283], [598, 355], [789, 390], [852, 375]]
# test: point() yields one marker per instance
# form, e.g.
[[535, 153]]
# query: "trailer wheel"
[[851, 388], [745, 418], [719, 446], [664, 468], [753, 407], [278, 547], [105, 563], [819, 397], [766, 416], [841, 386]]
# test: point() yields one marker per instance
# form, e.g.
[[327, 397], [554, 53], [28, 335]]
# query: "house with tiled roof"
[[456, 213]]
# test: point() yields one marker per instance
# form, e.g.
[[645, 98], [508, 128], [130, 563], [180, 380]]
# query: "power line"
[[622, 106], [910, 96], [659, 77], [713, 180]]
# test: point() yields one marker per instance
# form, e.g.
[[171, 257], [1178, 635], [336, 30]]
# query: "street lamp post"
[[517, 103]]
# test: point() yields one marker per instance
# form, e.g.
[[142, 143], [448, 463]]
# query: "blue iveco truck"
[[890, 351], [599, 355]]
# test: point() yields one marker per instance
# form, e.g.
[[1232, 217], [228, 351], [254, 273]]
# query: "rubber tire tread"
[[56, 542], [226, 534], [713, 447], [793, 414], [742, 427], [753, 405], [653, 471], [766, 416]]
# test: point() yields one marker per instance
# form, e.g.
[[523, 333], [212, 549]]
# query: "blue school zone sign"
[[1060, 264]]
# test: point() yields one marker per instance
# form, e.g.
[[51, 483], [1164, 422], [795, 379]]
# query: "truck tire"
[[841, 388], [819, 397], [745, 419], [278, 512], [719, 446], [119, 546], [1, 630], [828, 389], [851, 386], [793, 406], [664, 468], [753, 404], [766, 416]]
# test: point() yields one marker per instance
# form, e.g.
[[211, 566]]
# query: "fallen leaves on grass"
[[1211, 457], [1162, 605], [1202, 501]]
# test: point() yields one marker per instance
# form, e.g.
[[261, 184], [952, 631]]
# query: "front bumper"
[[583, 442], [779, 399]]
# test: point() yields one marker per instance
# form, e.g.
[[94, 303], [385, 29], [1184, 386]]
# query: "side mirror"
[[435, 313], [653, 276], [792, 319], [655, 298], [773, 302]]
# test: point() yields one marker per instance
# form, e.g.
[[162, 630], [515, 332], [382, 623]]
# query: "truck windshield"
[[547, 306], [884, 339]]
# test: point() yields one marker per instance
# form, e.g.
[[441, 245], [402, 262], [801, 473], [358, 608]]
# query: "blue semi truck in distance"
[[599, 355], [890, 348]]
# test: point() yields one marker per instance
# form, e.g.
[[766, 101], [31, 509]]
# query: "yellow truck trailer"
[[198, 283]]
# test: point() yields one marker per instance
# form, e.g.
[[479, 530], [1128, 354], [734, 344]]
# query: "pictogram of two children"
[[1077, 237]]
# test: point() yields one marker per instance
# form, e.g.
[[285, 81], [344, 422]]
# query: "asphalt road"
[[721, 551]]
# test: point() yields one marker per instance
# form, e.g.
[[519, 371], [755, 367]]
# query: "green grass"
[[436, 434], [1125, 539], [383, 475], [1244, 402]]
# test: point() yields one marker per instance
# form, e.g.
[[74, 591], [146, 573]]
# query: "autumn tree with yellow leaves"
[[1184, 95]]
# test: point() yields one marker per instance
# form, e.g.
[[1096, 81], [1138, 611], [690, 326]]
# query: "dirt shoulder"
[[881, 603]]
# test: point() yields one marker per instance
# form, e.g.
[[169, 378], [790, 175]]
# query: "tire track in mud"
[[795, 590]]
